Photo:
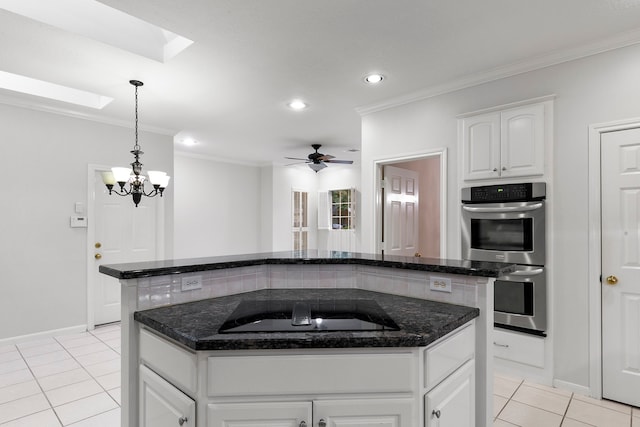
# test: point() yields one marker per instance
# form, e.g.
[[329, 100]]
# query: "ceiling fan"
[[317, 161]]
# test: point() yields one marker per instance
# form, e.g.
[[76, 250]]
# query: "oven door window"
[[502, 234], [513, 297]]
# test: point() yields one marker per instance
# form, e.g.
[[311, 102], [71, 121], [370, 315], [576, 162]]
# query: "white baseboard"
[[575, 388], [42, 335]]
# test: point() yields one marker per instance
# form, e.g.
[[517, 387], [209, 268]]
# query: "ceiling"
[[229, 89]]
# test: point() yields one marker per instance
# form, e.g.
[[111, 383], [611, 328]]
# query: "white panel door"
[[621, 266], [401, 211], [267, 414], [123, 233], [364, 413]]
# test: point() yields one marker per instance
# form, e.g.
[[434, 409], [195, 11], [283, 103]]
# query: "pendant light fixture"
[[123, 176]]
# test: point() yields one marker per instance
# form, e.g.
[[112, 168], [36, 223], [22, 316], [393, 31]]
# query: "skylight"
[[22, 84], [100, 22]]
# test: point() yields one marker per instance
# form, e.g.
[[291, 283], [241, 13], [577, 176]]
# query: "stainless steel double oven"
[[506, 223]]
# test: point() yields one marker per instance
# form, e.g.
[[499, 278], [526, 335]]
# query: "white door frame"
[[595, 249], [91, 235], [379, 202]]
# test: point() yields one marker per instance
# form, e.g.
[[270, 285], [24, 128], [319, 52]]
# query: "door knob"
[[182, 420], [436, 413], [612, 280], [322, 423], [98, 245], [97, 256]]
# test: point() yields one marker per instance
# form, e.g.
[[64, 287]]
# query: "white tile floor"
[[525, 404], [74, 380]]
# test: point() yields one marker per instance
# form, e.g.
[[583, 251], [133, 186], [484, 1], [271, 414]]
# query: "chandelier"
[[123, 176]]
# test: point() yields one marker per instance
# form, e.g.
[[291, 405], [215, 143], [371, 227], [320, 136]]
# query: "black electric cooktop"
[[308, 316]]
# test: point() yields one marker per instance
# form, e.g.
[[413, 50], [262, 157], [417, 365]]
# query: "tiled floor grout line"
[[80, 364], [24, 359], [91, 376]]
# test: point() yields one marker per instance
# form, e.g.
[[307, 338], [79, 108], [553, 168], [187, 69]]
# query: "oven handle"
[[532, 272], [526, 208]]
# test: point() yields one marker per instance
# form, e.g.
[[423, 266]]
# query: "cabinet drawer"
[[311, 374], [447, 356], [518, 347], [170, 361]]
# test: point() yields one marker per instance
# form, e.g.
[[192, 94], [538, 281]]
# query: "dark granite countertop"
[[191, 265], [196, 324]]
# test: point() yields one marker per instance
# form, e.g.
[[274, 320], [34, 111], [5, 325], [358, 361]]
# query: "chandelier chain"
[[136, 146]]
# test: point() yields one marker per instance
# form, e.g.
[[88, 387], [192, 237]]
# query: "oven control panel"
[[505, 193]]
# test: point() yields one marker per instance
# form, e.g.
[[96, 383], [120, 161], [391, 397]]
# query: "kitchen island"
[[209, 280]]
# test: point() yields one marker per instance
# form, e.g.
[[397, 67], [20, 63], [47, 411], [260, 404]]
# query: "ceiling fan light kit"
[[317, 161], [123, 176]]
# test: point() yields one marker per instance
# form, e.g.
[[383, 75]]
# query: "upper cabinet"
[[505, 143]]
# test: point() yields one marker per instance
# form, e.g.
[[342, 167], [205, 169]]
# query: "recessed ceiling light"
[[189, 141], [297, 105], [22, 84], [374, 78]]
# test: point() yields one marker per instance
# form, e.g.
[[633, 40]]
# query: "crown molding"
[[15, 102], [531, 64], [199, 156]]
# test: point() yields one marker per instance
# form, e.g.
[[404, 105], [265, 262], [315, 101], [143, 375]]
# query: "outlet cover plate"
[[440, 284], [191, 283]]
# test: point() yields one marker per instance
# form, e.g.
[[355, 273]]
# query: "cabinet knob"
[[436, 413], [322, 423], [182, 420]]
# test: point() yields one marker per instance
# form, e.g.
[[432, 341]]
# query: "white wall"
[[44, 161], [217, 208], [596, 89]]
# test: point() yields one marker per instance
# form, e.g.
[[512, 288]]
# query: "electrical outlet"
[[440, 284], [191, 283]]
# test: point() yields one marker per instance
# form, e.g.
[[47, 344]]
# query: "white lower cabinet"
[[451, 403], [321, 413], [162, 404], [350, 387]]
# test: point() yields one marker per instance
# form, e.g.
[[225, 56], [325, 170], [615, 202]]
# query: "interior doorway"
[[431, 171]]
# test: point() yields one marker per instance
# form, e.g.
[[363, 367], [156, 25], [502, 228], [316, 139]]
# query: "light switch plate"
[[440, 284], [191, 283]]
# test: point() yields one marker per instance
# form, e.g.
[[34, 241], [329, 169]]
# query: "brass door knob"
[[97, 256], [98, 245], [612, 280]]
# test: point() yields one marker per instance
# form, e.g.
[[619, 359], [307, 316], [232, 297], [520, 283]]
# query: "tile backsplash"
[[165, 290]]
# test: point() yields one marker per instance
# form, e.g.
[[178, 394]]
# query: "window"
[[299, 217], [342, 209]]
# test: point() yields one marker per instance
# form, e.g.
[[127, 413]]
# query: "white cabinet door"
[[267, 414], [481, 146], [451, 403], [522, 141], [163, 405], [364, 413], [504, 144]]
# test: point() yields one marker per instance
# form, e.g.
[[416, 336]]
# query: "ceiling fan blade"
[[296, 158], [326, 157], [296, 163], [346, 162]]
